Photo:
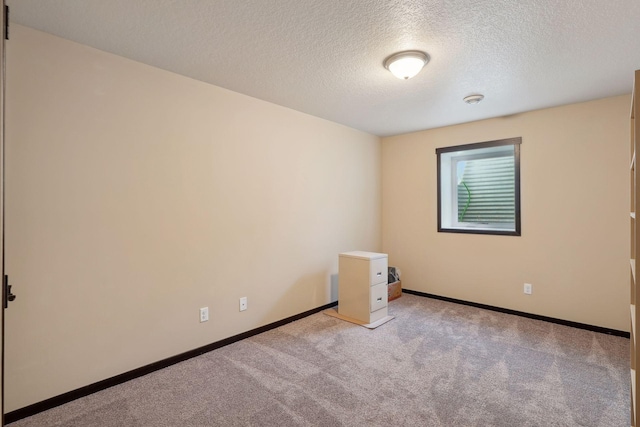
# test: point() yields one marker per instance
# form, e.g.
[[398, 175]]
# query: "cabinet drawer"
[[378, 271], [378, 297]]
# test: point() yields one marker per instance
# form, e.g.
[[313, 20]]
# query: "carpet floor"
[[436, 364]]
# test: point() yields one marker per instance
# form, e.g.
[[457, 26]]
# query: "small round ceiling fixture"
[[473, 99], [407, 64]]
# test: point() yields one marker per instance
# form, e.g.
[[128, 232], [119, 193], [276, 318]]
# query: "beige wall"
[[136, 196], [575, 218]]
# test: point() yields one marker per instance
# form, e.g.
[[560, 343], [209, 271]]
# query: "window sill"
[[494, 231]]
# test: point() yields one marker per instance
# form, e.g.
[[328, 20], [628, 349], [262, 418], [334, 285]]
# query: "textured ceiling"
[[325, 57]]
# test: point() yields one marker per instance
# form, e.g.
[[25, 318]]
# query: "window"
[[479, 188]]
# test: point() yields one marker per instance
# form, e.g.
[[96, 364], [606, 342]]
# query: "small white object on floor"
[[334, 313]]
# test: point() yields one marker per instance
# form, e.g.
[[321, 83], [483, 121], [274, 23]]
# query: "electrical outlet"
[[528, 288], [243, 303], [204, 314]]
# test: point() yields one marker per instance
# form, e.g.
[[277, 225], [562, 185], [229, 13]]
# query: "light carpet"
[[435, 364]]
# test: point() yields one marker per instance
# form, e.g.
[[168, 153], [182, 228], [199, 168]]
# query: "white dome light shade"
[[473, 99], [405, 65]]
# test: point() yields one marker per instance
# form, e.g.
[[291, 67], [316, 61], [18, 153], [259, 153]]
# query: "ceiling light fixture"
[[407, 64], [473, 99]]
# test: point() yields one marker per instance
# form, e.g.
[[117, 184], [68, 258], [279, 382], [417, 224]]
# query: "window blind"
[[486, 191]]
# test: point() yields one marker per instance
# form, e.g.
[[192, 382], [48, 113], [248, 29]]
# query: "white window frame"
[[448, 159]]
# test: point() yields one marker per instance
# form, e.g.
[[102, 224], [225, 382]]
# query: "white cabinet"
[[362, 285]]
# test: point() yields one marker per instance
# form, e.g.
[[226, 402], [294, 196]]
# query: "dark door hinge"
[[8, 296], [6, 22]]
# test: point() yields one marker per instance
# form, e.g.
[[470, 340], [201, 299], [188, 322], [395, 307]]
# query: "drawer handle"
[[379, 274], [379, 299]]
